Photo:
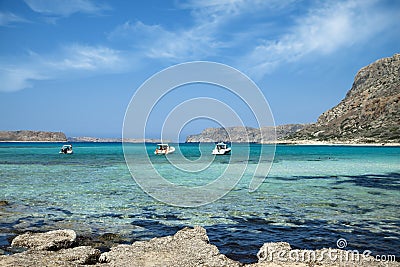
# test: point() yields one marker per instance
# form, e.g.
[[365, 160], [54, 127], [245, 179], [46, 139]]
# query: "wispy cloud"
[[201, 40], [79, 60], [250, 35], [65, 8], [8, 18], [323, 30], [156, 42], [259, 36], [15, 78], [220, 11], [83, 57], [212, 31]]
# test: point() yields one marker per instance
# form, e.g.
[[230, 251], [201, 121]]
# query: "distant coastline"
[[89, 139], [29, 136], [32, 136], [288, 142]]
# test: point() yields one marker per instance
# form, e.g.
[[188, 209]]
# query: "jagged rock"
[[32, 136], [369, 113], [53, 240], [188, 247], [80, 255], [65, 257]]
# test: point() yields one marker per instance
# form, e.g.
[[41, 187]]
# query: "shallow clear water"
[[312, 196]]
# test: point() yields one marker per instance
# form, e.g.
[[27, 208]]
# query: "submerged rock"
[[53, 240], [102, 242]]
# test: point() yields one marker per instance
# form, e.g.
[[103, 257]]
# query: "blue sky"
[[73, 66]]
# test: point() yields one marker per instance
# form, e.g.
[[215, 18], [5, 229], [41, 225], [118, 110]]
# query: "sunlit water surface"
[[312, 196]]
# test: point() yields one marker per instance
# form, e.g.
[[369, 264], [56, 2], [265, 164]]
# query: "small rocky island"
[[32, 136], [43, 136]]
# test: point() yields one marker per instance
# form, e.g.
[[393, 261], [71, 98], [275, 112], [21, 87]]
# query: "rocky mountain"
[[369, 113], [32, 136], [241, 134]]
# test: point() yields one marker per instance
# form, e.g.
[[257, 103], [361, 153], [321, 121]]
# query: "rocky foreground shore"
[[188, 247]]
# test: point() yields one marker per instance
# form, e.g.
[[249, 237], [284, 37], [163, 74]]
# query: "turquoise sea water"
[[312, 196]]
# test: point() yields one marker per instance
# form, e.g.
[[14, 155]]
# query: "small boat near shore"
[[164, 149], [66, 149], [221, 149]]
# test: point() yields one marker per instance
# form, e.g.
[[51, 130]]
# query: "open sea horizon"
[[313, 196]]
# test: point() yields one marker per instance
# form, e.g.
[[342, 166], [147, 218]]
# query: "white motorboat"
[[221, 149], [66, 149], [164, 149]]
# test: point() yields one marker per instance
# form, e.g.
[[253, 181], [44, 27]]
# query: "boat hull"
[[221, 151], [165, 152], [68, 152]]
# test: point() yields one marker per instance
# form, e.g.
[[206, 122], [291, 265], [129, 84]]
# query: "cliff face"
[[244, 134], [32, 136], [370, 112]]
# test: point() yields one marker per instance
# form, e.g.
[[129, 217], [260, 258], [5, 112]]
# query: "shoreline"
[[187, 247], [279, 142], [326, 143]]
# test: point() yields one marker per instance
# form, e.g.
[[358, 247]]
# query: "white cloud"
[[7, 18], [323, 30], [75, 60], [203, 39], [14, 78], [89, 58], [66, 8], [215, 32], [253, 36], [156, 42], [222, 10]]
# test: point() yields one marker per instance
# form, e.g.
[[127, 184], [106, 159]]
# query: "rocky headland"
[[32, 136], [241, 134], [370, 112], [188, 247]]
